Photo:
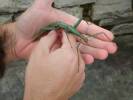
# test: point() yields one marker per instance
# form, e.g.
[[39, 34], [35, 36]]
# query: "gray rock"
[[126, 28], [12, 84], [9, 6], [102, 7], [115, 20], [5, 18], [75, 11], [22, 4], [68, 3]]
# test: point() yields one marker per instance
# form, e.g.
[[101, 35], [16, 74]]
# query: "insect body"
[[61, 25]]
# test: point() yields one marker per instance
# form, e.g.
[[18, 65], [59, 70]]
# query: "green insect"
[[68, 29], [61, 25]]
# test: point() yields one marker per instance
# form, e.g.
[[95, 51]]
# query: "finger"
[[68, 41], [95, 52], [88, 59], [96, 43], [49, 2], [48, 41], [56, 45], [41, 3], [80, 82], [80, 76], [93, 29], [77, 83], [81, 66]]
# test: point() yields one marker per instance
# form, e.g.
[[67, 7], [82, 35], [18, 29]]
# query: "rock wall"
[[105, 12], [111, 79]]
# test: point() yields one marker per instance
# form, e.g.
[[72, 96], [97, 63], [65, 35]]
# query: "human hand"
[[41, 14], [54, 74]]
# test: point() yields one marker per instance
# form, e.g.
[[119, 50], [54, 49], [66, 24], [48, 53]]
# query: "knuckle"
[[42, 40]]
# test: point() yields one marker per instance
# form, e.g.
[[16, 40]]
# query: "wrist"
[[5, 52], [9, 41], [33, 93]]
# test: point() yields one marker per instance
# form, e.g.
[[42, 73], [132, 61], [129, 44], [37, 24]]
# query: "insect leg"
[[78, 44], [95, 35], [77, 23], [77, 50]]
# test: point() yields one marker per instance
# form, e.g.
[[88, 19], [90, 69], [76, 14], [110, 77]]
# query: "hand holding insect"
[[61, 25], [82, 38], [40, 15], [49, 74]]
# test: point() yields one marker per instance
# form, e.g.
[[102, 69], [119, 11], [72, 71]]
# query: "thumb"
[[65, 40], [47, 41]]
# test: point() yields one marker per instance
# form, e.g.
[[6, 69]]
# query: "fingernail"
[[114, 44], [114, 49]]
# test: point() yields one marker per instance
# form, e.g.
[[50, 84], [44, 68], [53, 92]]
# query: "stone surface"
[[75, 11], [103, 7], [12, 85], [115, 19], [5, 18], [122, 29], [68, 3], [22, 4], [9, 6]]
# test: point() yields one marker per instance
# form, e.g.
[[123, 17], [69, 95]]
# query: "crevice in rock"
[[88, 11]]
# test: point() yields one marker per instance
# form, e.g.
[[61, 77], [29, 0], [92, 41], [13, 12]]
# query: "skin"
[[61, 79], [41, 14]]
